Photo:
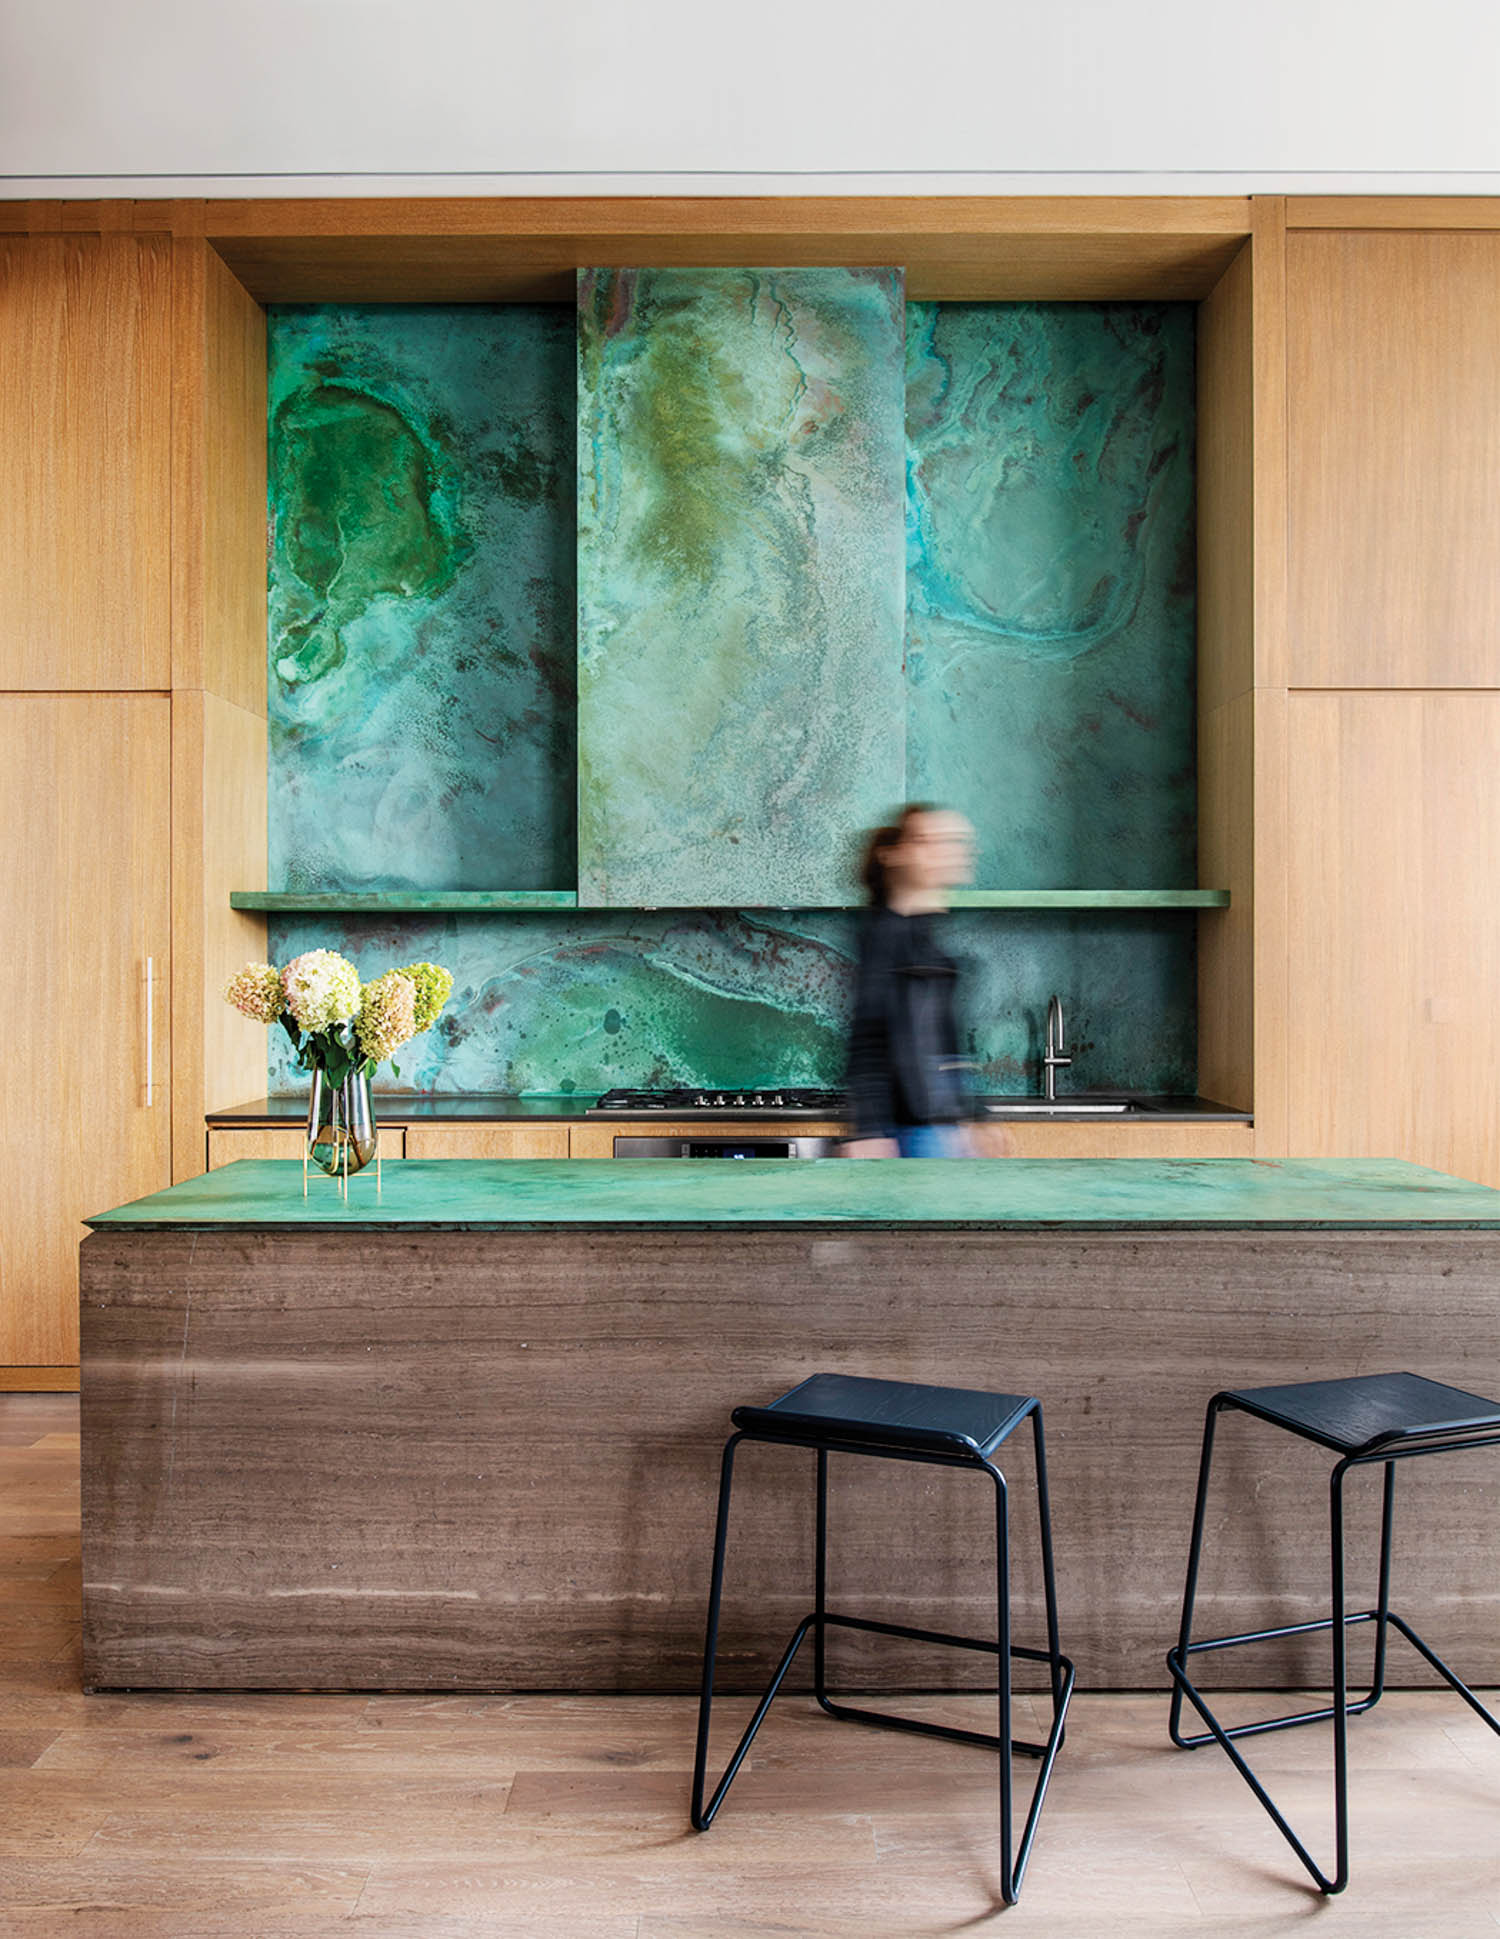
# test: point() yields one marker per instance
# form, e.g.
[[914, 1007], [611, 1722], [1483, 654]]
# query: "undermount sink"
[[1041, 1107]]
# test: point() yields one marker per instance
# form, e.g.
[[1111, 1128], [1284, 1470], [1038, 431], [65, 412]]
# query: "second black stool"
[[1385, 1417], [950, 1427]]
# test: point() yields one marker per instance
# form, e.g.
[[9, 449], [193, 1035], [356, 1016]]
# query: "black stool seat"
[[898, 1420], [1368, 1411], [887, 1414], [1367, 1420]]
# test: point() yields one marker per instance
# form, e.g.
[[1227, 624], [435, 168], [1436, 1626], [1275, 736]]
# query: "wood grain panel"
[[85, 457], [218, 843], [1270, 985], [86, 902], [38, 1380], [496, 1466], [766, 216], [1007, 269], [487, 1141], [1269, 358], [219, 481], [1226, 937], [1394, 410], [227, 1147], [485, 249], [1395, 928], [234, 481], [1393, 212], [1226, 488], [1135, 1140]]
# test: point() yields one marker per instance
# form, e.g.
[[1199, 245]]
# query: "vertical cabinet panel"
[[1394, 929], [85, 458], [740, 591], [1393, 390], [84, 791]]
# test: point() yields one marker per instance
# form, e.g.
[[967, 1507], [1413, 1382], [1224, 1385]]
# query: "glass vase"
[[341, 1132]]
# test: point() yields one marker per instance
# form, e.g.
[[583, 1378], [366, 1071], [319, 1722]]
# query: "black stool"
[[1387, 1417], [949, 1427]]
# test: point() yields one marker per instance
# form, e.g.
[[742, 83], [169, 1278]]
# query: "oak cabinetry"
[[132, 656], [260, 1141], [87, 907], [1395, 928], [1388, 792], [85, 462], [1134, 1140], [1393, 413], [487, 1141]]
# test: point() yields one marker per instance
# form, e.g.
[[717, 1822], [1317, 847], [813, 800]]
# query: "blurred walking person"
[[904, 1076]]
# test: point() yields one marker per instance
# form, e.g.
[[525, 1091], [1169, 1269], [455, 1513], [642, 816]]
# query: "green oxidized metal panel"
[[583, 1001], [1310, 1194], [1050, 586], [421, 597], [740, 598]]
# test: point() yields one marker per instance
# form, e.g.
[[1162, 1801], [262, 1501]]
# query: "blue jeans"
[[927, 1140]]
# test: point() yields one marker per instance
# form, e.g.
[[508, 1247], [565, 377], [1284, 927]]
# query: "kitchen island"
[[462, 1432]]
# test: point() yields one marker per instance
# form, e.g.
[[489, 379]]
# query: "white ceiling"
[[490, 94]]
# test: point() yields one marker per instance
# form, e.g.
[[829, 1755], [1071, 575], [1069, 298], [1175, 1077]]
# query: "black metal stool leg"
[[1009, 1882], [820, 1588], [1190, 1588], [1383, 1593], [702, 1819], [1049, 1576], [1340, 1634]]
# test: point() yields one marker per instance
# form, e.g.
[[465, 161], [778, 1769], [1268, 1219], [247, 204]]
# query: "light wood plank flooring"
[[565, 1817]]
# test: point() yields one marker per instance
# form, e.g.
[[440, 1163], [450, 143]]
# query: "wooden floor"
[[565, 1818]]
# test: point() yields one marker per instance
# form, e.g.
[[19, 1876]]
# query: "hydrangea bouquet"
[[341, 1030]]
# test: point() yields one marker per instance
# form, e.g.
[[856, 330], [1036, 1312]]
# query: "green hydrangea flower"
[[434, 985]]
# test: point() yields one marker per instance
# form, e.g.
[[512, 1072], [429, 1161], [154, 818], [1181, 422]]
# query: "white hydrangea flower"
[[322, 989]]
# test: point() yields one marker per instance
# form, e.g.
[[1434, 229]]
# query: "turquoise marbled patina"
[[421, 597], [432, 449], [1230, 1193], [585, 1001], [740, 697], [1051, 586]]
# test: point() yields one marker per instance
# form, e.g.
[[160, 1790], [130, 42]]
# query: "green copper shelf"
[[1090, 898], [398, 902], [490, 902]]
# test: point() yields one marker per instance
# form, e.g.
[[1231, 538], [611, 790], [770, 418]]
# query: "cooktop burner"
[[692, 1103]]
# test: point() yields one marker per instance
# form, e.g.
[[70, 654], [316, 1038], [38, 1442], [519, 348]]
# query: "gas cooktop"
[[785, 1102]]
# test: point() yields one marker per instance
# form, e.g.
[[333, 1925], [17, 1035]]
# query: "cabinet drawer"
[[597, 1140], [486, 1141], [266, 1141], [1133, 1140]]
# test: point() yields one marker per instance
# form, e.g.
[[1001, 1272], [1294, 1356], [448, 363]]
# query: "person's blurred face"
[[936, 852]]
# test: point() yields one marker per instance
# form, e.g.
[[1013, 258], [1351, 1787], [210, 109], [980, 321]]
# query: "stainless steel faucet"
[[1054, 1060]]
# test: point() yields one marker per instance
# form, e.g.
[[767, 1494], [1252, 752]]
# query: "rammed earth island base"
[[464, 1434]]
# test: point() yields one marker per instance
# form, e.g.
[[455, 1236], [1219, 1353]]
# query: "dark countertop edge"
[[478, 1108], [1131, 1228]]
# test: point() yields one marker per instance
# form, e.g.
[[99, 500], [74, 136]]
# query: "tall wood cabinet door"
[[85, 462], [84, 873], [1393, 420]]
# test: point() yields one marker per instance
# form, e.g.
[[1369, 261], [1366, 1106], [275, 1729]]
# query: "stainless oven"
[[710, 1147]]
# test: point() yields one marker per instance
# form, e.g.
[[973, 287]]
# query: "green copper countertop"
[[1001, 1193]]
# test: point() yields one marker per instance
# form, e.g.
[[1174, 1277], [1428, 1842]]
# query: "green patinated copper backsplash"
[[423, 722], [740, 701], [421, 597], [1050, 586], [582, 1002]]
